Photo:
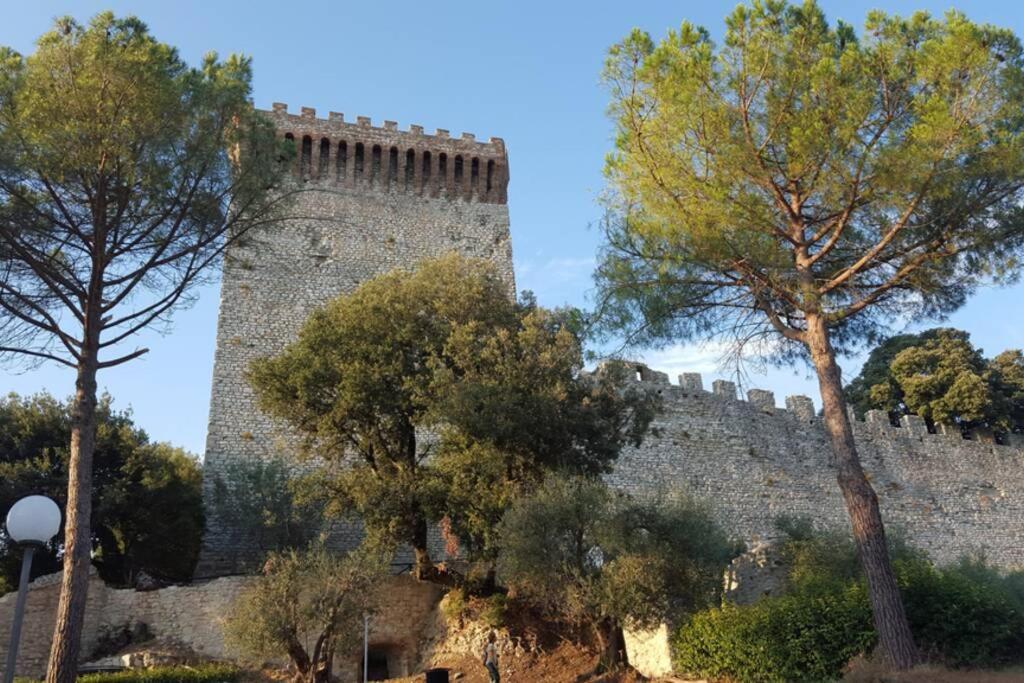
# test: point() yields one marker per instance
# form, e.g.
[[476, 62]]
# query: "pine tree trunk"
[[894, 636], [67, 634]]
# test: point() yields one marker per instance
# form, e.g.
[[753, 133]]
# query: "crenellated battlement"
[[800, 408], [753, 461], [359, 155]]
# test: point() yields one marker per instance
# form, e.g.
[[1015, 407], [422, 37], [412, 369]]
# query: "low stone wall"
[[192, 617], [189, 616]]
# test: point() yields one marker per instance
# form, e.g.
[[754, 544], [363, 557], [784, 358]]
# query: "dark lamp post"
[[31, 523]]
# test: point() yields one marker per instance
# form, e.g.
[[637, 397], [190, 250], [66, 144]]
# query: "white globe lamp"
[[31, 523], [33, 520]]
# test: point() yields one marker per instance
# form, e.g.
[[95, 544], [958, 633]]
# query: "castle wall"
[[192, 617], [372, 199], [753, 462]]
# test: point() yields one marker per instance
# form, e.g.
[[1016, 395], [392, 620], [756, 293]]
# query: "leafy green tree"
[[939, 375], [441, 361], [123, 175], [798, 185], [259, 501], [600, 560], [306, 605], [876, 371], [148, 512], [1008, 373], [944, 380]]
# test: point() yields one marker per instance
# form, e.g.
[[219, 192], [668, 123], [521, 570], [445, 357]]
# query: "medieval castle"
[[384, 198], [379, 198]]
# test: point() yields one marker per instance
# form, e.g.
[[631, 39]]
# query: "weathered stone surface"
[[648, 650], [758, 573], [189, 619], [946, 494], [371, 199]]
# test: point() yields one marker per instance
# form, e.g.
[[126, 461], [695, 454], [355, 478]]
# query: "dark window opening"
[[490, 175], [307, 156], [289, 145], [474, 174], [442, 169], [375, 168], [410, 168], [458, 171], [359, 160], [393, 167], [324, 162], [425, 177], [342, 161]]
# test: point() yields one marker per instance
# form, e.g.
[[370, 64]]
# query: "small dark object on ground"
[[437, 676]]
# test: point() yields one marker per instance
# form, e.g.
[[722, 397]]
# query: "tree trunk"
[[613, 646], [424, 565], [67, 633], [890, 618]]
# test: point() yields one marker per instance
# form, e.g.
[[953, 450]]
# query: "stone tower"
[[375, 198]]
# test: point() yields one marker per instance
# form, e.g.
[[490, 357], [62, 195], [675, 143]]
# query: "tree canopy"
[[148, 515], [592, 557], [124, 174], [939, 375], [797, 186], [442, 396], [307, 605]]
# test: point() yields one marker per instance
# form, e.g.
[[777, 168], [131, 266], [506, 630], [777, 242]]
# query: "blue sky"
[[525, 71]]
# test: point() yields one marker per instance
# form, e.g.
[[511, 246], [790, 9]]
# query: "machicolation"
[[372, 199], [362, 156]]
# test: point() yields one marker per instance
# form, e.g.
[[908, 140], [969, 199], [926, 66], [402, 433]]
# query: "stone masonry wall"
[[192, 617], [753, 461], [189, 616], [374, 199]]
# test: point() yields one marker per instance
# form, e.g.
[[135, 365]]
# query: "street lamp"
[[31, 523]]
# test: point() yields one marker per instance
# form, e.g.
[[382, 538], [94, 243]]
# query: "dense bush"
[[799, 637], [964, 617], [211, 673], [967, 614], [147, 509]]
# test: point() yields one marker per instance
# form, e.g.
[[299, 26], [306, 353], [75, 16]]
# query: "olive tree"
[[600, 560]]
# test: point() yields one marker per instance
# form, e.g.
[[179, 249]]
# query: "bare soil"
[[566, 663]]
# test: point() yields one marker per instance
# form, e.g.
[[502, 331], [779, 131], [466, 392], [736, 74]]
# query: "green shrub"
[[966, 615], [210, 673], [492, 612], [453, 607], [800, 637], [962, 616]]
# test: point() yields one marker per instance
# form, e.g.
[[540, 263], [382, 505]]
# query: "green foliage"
[[454, 605], [800, 637], [801, 172], [147, 511], [968, 614], [306, 604], [207, 673], [584, 554], [493, 611], [114, 151], [258, 500], [876, 373], [445, 349], [939, 375]]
